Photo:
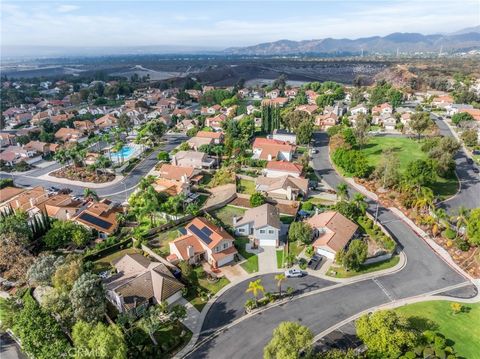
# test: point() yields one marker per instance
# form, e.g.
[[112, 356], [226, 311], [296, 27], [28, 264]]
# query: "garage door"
[[268, 242], [325, 253], [225, 260]]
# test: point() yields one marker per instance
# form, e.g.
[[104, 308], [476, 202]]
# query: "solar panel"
[[207, 231], [95, 220], [205, 238]]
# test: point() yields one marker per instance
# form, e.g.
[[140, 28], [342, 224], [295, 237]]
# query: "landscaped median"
[[337, 271]]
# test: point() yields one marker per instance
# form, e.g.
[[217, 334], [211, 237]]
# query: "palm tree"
[[424, 199], [255, 287], [88, 193], [342, 191], [280, 278], [463, 215], [359, 200]]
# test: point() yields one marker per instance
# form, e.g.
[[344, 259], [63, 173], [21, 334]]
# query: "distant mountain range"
[[463, 40]]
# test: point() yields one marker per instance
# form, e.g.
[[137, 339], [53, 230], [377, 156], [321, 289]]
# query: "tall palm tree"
[[280, 278], [255, 287], [359, 200], [342, 191], [88, 193], [424, 199]]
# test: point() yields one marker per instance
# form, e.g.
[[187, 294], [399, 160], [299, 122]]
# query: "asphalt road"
[[469, 195], [117, 192], [424, 272], [9, 349]]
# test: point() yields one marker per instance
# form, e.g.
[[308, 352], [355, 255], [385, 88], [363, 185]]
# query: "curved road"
[[424, 273], [119, 191]]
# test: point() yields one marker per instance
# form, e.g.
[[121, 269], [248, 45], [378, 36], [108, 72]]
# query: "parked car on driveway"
[[294, 273], [314, 263]]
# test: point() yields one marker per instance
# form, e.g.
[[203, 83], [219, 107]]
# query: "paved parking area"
[[267, 260]]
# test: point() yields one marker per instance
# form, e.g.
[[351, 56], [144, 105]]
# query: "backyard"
[[105, 263], [407, 150], [246, 186], [462, 328], [226, 214], [251, 263], [161, 242]]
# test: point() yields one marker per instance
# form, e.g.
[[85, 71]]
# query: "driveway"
[[424, 272], [267, 260]]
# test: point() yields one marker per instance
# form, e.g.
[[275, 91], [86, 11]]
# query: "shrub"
[[352, 161], [257, 199], [449, 233], [462, 245], [302, 263]]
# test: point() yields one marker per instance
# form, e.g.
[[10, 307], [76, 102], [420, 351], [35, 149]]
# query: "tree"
[[280, 278], [14, 258], [67, 273], [65, 232], [386, 333], [456, 308], [90, 194], [42, 270], [419, 173], [420, 122], [339, 354], [360, 203], [354, 256], [88, 298], [460, 117], [257, 199], [255, 287], [124, 123], [163, 156], [305, 131], [424, 199], [388, 169], [342, 191], [58, 303], [288, 340], [473, 227], [470, 137], [15, 226], [98, 341], [300, 231]]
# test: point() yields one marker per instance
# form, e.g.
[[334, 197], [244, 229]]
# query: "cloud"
[[67, 8]]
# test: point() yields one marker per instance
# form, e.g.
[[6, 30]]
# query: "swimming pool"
[[126, 152]]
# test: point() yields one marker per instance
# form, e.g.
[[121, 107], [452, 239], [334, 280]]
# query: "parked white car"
[[294, 273]]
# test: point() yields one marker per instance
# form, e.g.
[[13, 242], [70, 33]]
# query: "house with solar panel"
[[100, 217], [203, 241], [139, 283]]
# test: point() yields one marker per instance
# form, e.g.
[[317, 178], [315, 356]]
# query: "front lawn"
[[226, 214], [251, 263], [340, 272], [246, 186], [171, 339], [407, 150], [105, 263], [280, 259], [462, 328], [200, 289], [295, 247]]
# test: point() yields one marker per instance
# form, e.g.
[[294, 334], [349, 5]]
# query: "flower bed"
[[83, 174]]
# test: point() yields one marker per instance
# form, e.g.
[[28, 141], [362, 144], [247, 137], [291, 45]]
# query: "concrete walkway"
[[193, 320]]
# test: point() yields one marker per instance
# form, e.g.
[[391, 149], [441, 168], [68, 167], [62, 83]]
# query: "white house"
[[272, 150], [359, 109], [261, 224], [285, 136]]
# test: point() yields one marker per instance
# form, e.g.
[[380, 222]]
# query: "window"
[[225, 245], [262, 231], [241, 230], [271, 231]]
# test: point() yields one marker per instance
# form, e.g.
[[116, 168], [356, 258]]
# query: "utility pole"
[[376, 214]]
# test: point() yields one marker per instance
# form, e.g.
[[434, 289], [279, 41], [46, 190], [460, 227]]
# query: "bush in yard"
[[307, 206], [309, 251], [354, 256], [352, 161], [300, 231], [302, 263], [462, 245], [462, 116], [43, 269], [449, 233], [257, 199], [186, 269]]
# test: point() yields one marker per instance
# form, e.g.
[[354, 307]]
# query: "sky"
[[222, 23]]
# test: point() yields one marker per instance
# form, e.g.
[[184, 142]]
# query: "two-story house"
[[272, 150], [261, 224]]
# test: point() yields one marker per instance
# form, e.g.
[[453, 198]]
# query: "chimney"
[[68, 215], [190, 252], [174, 160], [269, 157], [32, 202], [316, 210], [234, 219], [184, 178], [289, 193]]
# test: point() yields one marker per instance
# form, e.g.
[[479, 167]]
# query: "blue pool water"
[[126, 152]]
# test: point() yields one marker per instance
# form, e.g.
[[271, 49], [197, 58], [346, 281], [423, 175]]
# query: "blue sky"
[[219, 24]]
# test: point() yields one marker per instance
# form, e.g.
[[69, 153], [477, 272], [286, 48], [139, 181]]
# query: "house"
[[474, 112], [282, 168], [405, 118], [139, 283], [442, 101], [311, 97], [16, 154], [38, 146], [273, 94], [61, 206], [456, 108], [21, 119], [172, 188], [192, 159], [196, 142], [216, 122], [243, 93], [383, 109], [7, 139], [284, 187], [285, 136], [60, 118], [361, 108], [291, 93], [106, 122], [332, 232], [217, 137], [85, 126], [66, 134], [212, 110], [186, 125], [389, 123], [100, 217], [39, 117], [23, 200], [326, 121], [261, 224], [182, 112], [279, 101], [310, 109], [203, 241], [271, 150], [176, 173]]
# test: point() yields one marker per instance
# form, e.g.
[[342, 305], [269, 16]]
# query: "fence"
[[109, 250]]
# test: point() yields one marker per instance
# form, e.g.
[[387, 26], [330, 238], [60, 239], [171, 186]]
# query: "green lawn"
[[105, 263], [165, 238], [246, 186], [280, 259], [201, 282], [462, 328], [225, 214], [170, 339], [295, 247], [251, 263], [407, 150], [340, 272], [287, 219]]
